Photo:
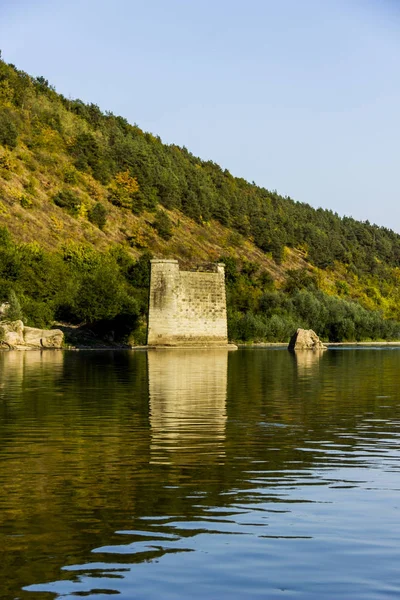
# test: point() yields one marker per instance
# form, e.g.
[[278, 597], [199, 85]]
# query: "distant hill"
[[86, 199]]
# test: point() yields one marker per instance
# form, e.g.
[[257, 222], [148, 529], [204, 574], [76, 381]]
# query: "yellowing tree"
[[123, 189]]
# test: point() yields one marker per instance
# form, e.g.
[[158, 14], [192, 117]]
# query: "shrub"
[[246, 327], [71, 176], [7, 163], [26, 202], [38, 313], [8, 130], [98, 215], [162, 224], [138, 337], [266, 280], [67, 200], [29, 186]]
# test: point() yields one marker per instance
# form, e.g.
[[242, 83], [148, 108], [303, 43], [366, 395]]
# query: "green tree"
[[101, 294], [162, 224], [13, 311]]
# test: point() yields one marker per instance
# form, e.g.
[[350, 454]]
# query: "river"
[[201, 474]]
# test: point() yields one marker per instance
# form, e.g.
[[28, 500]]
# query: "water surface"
[[201, 474]]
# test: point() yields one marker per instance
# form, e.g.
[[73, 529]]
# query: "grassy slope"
[[51, 227]]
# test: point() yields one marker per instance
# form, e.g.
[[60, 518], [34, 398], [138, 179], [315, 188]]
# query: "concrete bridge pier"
[[187, 308]]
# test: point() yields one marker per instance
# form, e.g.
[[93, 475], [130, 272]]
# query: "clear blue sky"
[[301, 96]]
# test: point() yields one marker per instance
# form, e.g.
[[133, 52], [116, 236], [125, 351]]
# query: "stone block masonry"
[[187, 308]]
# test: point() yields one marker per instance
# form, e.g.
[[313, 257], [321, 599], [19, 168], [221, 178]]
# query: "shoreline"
[[228, 347], [327, 344]]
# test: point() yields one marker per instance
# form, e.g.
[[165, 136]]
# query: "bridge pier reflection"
[[187, 390]]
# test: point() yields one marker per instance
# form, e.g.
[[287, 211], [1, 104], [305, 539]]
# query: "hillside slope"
[[86, 198]]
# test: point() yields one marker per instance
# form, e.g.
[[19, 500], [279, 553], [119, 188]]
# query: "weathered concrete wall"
[[186, 308]]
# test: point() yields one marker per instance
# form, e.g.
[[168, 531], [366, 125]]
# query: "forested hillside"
[[86, 199]]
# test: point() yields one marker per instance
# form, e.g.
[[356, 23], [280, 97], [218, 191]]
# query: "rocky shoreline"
[[14, 335], [328, 344]]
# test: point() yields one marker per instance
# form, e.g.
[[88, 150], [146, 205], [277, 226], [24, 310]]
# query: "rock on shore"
[[17, 336], [305, 339]]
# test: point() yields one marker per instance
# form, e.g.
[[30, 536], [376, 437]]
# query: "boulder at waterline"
[[16, 335], [305, 339], [43, 338]]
